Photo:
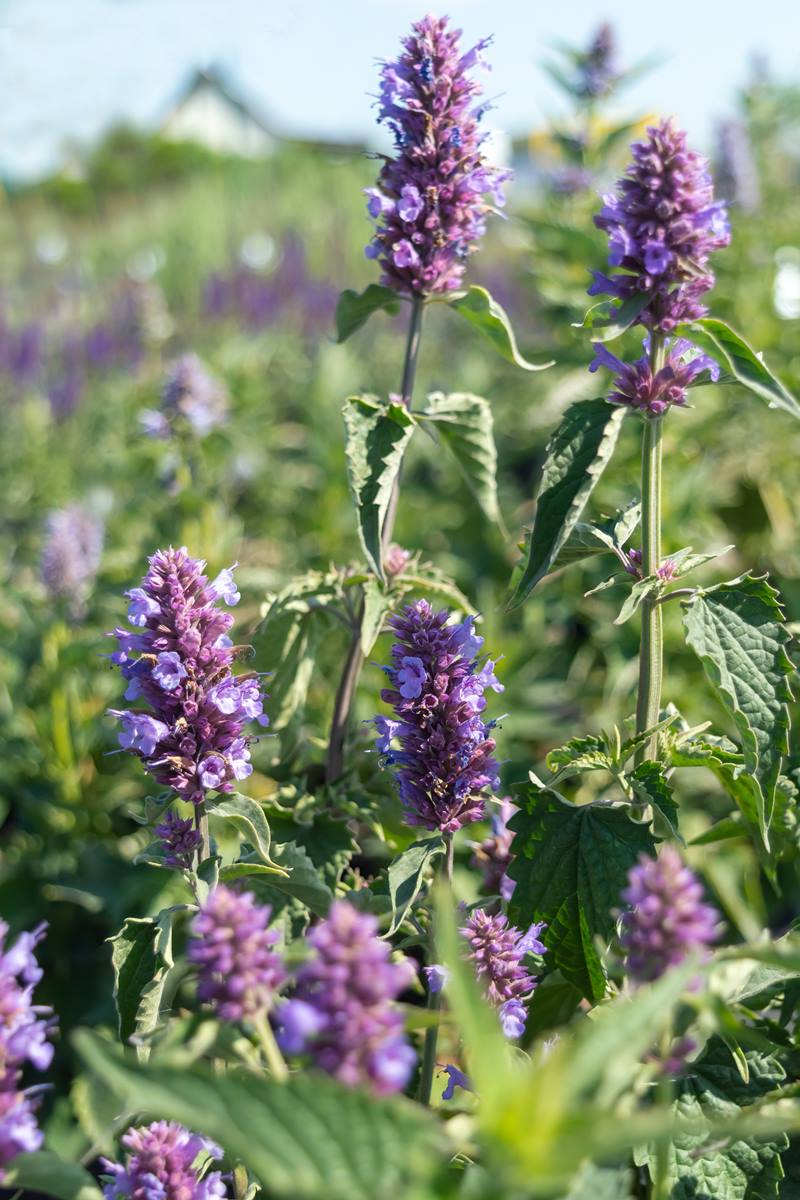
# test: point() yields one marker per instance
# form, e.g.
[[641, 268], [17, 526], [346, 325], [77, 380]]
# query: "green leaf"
[[481, 310], [377, 437], [600, 1183], [406, 873], [633, 601], [300, 880], [737, 631], [144, 971], [587, 541], [714, 1091], [376, 605], [576, 457], [609, 319], [734, 355], [305, 1139], [46, 1173], [286, 641], [247, 816], [465, 426], [570, 867], [580, 754], [649, 782], [354, 309]]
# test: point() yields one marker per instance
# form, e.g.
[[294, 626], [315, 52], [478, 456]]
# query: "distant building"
[[210, 113]]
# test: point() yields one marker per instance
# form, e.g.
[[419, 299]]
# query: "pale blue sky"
[[68, 67]]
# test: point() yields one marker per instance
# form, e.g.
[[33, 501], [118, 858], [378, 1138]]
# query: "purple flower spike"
[[191, 737], [165, 1162], [190, 395], [179, 839], [343, 1013], [493, 856], [666, 919], [496, 952], [71, 555], [25, 1029], [663, 224], [446, 758], [232, 947], [430, 203], [636, 386]]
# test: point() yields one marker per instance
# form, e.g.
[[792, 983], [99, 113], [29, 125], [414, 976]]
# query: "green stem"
[[240, 1182], [275, 1060], [648, 705], [434, 998], [351, 670], [201, 825]]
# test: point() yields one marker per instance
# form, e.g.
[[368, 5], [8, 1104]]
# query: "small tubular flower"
[[666, 918], [342, 1012], [25, 1030], [164, 1162], [446, 758], [493, 856], [430, 201], [233, 950], [178, 662], [662, 225], [635, 385], [497, 950]]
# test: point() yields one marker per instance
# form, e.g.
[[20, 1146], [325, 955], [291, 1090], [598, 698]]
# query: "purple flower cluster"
[[597, 69], [179, 840], [178, 662], [71, 554], [493, 856], [446, 758], [342, 1012], [497, 950], [636, 386], [191, 396], [666, 918], [165, 1162], [233, 949], [429, 204], [662, 225], [24, 1031]]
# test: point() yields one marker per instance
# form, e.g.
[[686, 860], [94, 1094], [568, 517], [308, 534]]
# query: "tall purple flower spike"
[[25, 1028], [343, 1013], [446, 756], [190, 736], [164, 1162], [71, 554], [430, 202], [638, 388], [497, 951], [666, 918], [662, 225], [493, 856], [233, 950]]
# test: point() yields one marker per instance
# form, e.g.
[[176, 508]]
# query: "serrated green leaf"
[[633, 601], [737, 631], [636, 740], [649, 782], [600, 1183], [570, 866], [406, 873], [247, 816], [733, 354], [300, 880], [427, 578], [144, 971], [587, 541], [579, 754], [465, 425], [576, 457], [304, 1139], [353, 309], [377, 437], [483, 312], [45, 1173], [376, 605], [714, 1091], [609, 319]]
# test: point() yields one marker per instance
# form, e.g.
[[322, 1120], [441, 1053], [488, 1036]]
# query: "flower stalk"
[[651, 647], [434, 994]]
